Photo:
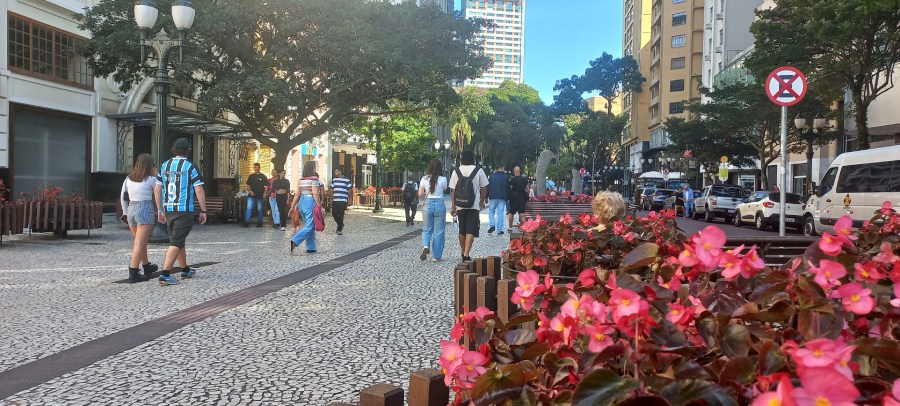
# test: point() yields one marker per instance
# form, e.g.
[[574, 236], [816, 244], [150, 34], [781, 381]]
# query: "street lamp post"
[[145, 15], [810, 136], [378, 208]]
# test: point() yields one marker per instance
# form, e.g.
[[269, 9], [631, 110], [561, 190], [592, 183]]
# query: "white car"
[[762, 209]]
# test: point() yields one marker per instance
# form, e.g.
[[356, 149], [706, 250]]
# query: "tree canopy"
[[852, 44], [293, 69], [608, 76]]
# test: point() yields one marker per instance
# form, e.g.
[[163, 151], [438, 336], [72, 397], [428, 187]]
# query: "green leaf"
[[886, 352], [535, 351], [685, 368], [517, 320], [771, 358], [564, 398], [563, 370], [668, 334], [601, 388], [724, 299], [734, 341], [768, 290], [642, 255], [646, 401], [708, 328], [496, 386], [779, 312], [740, 370], [720, 399], [815, 325], [684, 392], [518, 337], [811, 296]]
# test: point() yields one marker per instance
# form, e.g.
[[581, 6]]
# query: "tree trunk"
[[862, 124], [280, 158], [763, 176]]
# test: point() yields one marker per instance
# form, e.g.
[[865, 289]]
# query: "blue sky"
[[562, 36]]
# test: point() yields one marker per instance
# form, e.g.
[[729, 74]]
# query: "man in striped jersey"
[[340, 189], [180, 180]]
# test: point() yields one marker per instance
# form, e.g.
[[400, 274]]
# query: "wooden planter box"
[[60, 218], [12, 219]]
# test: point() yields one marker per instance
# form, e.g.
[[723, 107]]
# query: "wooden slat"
[[487, 293], [505, 307]]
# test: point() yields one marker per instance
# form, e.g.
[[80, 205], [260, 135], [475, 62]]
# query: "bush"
[[698, 326]]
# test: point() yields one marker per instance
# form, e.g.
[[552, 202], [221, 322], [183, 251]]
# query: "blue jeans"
[[688, 206], [498, 205], [276, 216], [308, 232], [434, 218], [254, 201]]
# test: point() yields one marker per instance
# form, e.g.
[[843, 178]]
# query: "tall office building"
[[505, 43], [636, 43]]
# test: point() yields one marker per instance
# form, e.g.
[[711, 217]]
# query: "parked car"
[[856, 185], [763, 209], [658, 200], [717, 201], [645, 197]]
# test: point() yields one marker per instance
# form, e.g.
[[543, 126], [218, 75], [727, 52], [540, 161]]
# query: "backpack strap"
[[459, 174], [473, 174]]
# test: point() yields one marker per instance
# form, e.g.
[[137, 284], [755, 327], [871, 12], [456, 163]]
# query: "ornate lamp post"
[[810, 136], [378, 198], [443, 149], [145, 15]]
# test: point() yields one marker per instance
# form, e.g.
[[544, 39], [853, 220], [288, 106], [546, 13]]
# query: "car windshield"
[[727, 192], [648, 191], [665, 192], [791, 198]]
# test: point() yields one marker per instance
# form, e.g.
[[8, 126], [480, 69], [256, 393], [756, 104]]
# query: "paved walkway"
[[318, 339]]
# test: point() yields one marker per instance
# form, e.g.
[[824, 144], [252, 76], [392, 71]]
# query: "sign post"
[[785, 86]]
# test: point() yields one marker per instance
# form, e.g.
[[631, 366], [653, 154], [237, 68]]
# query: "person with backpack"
[[410, 199], [497, 198], [518, 196], [468, 186], [434, 212]]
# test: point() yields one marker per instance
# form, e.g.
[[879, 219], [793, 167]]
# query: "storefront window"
[[44, 51]]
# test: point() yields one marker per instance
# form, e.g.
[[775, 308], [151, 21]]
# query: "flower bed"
[[665, 319], [562, 197]]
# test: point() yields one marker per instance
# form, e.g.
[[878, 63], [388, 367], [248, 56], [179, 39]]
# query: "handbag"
[[318, 218], [295, 218]]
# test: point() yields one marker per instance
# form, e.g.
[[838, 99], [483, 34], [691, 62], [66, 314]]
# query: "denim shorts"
[[141, 212]]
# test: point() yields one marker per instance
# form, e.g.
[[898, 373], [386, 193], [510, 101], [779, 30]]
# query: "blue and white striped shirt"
[[341, 189], [178, 177]]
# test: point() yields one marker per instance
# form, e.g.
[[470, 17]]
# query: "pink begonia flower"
[[886, 256], [709, 245], [892, 398], [679, 315], [457, 332], [754, 260], [673, 284], [825, 387], [886, 208], [527, 303], [528, 281], [601, 337], [611, 285], [567, 219], [844, 353], [628, 237], [830, 245], [828, 273], [587, 278], [531, 224], [570, 308], [482, 311], [539, 261], [818, 353], [842, 230], [596, 310], [451, 355], [471, 367], [780, 397], [856, 299], [868, 272], [698, 305], [688, 257], [896, 302], [619, 228], [636, 324], [625, 301], [543, 324], [731, 264]]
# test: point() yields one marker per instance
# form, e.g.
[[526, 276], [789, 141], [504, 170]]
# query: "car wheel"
[[710, 216], [809, 227], [695, 215], [760, 223], [737, 219]]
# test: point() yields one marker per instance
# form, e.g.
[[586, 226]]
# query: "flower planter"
[[510, 273], [62, 217]]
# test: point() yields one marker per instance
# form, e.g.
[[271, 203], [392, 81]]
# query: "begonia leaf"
[[685, 368], [646, 401], [484, 334], [626, 280], [564, 398], [871, 390], [724, 299], [535, 351], [520, 319], [683, 392], [668, 334], [779, 312], [708, 328], [761, 295], [740, 370], [564, 367], [734, 341], [642, 255], [518, 337], [811, 296], [815, 325], [771, 358], [656, 383], [602, 387], [886, 352], [719, 399], [493, 387], [500, 351]]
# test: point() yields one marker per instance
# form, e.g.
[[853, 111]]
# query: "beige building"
[[505, 43], [599, 104]]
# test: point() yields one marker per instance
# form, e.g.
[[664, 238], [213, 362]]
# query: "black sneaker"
[[424, 255], [259, 224], [465, 258], [245, 224], [491, 230], [500, 233], [149, 269], [310, 251]]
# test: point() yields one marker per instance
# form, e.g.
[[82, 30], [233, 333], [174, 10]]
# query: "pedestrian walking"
[[138, 209], [273, 204], [182, 182], [259, 189], [410, 199], [679, 201], [308, 198], [468, 186], [498, 194], [434, 212], [688, 196], [340, 193], [281, 187], [517, 195]]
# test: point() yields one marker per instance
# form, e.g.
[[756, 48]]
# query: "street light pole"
[[809, 136], [378, 208]]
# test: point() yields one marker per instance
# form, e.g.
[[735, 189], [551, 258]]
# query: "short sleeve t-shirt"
[[479, 181], [434, 194], [178, 177], [257, 183], [518, 188], [281, 184]]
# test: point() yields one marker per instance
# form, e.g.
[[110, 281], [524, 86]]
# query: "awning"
[[659, 175], [186, 122]]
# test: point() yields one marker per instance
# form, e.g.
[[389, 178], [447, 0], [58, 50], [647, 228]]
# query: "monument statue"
[[540, 177], [576, 182]]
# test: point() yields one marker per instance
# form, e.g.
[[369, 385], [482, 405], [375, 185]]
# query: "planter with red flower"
[[51, 210]]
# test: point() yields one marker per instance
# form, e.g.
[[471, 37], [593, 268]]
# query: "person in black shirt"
[[281, 187], [518, 196], [259, 190]]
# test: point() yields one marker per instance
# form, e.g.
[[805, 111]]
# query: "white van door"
[[850, 196], [824, 203], [882, 176]]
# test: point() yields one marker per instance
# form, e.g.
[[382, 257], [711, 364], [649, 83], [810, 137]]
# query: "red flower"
[[709, 245], [830, 245], [587, 277], [856, 299], [868, 272]]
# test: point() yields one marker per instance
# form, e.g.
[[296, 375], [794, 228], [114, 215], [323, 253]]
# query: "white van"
[[856, 185]]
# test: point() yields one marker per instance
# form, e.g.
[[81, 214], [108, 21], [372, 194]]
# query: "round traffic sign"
[[665, 173], [582, 171], [724, 159], [786, 86]]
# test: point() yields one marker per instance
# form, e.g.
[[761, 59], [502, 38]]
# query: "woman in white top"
[[140, 214], [434, 213]]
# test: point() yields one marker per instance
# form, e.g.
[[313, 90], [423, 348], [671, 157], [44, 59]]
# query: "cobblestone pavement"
[[372, 321]]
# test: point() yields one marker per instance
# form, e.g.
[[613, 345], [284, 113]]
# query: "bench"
[[215, 208], [775, 251], [631, 210], [553, 211]]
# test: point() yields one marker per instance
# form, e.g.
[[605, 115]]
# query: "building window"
[[678, 41], [676, 108], [678, 1], [679, 18], [721, 36], [722, 5], [720, 66], [678, 63], [676, 85], [711, 15], [44, 51]]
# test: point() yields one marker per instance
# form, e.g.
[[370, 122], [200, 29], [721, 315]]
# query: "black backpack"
[[464, 193], [409, 192]]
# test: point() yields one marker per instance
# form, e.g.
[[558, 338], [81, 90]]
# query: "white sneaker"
[[283, 229], [435, 260]]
